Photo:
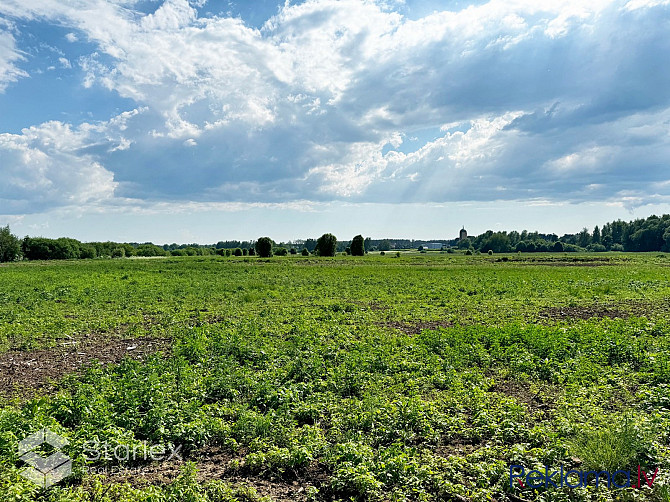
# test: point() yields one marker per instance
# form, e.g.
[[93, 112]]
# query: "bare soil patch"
[[541, 400], [24, 373], [214, 464], [415, 328], [585, 312]]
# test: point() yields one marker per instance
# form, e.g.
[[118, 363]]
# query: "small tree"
[[326, 245], [238, 252], [304, 252], [293, 251], [252, 252], [10, 245], [264, 247], [358, 246]]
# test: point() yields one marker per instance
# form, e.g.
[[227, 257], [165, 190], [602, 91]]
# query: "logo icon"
[[45, 471]]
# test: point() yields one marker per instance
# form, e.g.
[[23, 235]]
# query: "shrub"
[[490, 252], [119, 252], [89, 252], [238, 252], [326, 245], [617, 247], [382, 253], [304, 252], [358, 246], [280, 251], [264, 247], [252, 252], [293, 251], [468, 253], [245, 252]]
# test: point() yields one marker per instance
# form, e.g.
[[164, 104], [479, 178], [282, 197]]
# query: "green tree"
[[358, 246], [584, 238], [596, 235], [326, 245], [10, 245], [385, 245], [304, 252], [264, 247]]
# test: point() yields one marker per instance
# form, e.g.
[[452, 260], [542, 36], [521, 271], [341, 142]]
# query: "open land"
[[418, 377]]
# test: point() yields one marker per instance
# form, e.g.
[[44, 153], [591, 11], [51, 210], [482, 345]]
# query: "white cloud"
[[538, 95], [9, 57]]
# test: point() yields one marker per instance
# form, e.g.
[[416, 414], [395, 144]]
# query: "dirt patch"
[[215, 464], [415, 328], [583, 312], [541, 400], [24, 373]]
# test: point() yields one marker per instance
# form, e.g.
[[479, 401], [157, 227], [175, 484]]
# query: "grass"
[[290, 378]]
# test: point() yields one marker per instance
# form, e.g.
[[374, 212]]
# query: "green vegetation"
[[264, 247], [418, 377]]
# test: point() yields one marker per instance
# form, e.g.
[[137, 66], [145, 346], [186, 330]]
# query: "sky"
[[207, 120]]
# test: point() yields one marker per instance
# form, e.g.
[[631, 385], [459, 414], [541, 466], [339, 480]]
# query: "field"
[[419, 377]]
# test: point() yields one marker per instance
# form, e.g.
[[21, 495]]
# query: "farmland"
[[418, 377]]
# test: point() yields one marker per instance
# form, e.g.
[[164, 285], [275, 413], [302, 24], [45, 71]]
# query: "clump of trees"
[[10, 245], [326, 245], [358, 246], [264, 247]]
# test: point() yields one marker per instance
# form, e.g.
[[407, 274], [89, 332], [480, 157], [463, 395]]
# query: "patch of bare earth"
[[23, 373], [215, 464], [415, 328], [542, 399], [583, 312]]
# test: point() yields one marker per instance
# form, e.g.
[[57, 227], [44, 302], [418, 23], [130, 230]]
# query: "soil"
[[415, 328], [24, 373], [214, 464]]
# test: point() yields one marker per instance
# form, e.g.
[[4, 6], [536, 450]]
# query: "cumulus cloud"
[[9, 57], [536, 99], [54, 165]]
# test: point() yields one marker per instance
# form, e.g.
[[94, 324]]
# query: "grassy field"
[[419, 377]]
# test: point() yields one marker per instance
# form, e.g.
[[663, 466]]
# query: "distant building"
[[463, 234], [433, 245]]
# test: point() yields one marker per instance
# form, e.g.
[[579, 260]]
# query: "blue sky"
[[202, 120]]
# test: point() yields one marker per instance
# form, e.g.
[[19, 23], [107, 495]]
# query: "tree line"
[[647, 234]]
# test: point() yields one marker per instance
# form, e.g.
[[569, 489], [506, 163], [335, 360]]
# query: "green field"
[[419, 377]]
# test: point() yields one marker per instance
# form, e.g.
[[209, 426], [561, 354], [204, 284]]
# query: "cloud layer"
[[507, 100]]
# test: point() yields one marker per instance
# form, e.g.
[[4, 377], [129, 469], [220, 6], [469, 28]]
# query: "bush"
[[596, 248], [293, 251], [382, 253], [120, 252], [347, 250], [326, 245], [304, 252], [150, 250], [264, 247], [89, 252], [252, 252], [237, 252], [490, 252], [280, 251], [245, 252], [10, 245], [617, 247], [468, 253], [358, 246], [558, 247]]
